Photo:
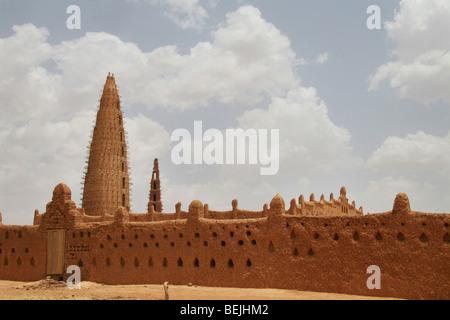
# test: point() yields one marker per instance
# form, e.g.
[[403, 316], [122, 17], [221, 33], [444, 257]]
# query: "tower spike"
[[155, 190], [106, 185]]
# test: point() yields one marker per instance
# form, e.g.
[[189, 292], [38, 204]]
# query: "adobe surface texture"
[[316, 245]]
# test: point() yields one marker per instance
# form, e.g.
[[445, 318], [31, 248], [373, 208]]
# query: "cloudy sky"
[[364, 108]]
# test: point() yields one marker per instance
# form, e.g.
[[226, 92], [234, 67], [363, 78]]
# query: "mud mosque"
[[316, 245]]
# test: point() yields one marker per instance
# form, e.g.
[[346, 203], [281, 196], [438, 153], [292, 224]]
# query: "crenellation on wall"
[[235, 213], [333, 207]]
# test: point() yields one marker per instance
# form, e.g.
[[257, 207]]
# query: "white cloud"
[[217, 194], [39, 156], [248, 60], [415, 153], [47, 129], [380, 194], [418, 165], [147, 140], [25, 49], [420, 33], [184, 13], [310, 143], [21, 56], [322, 58], [419, 26]]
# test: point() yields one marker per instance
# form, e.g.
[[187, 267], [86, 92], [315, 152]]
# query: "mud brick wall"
[[274, 249], [23, 252]]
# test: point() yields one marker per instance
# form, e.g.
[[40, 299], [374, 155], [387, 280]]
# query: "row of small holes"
[[13, 250], [423, 237], [196, 263], [19, 261]]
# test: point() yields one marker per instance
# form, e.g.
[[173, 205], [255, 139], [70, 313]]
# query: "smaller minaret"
[[155, 190]]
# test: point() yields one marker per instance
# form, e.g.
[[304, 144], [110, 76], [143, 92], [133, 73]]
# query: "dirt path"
[[55, 290]]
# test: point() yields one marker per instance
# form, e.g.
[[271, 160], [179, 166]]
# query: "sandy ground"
[[49, 289]]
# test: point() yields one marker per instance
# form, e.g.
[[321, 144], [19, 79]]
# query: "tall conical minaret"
[[106, 181], [155, 190]]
